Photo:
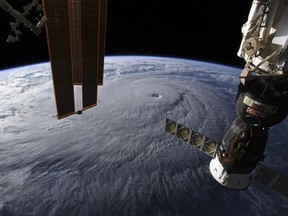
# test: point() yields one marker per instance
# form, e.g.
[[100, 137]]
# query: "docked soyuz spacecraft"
[[261, 102], [21, 18]]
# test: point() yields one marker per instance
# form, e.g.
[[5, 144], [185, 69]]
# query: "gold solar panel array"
[[191, 137], [76, 31], [58, 37]]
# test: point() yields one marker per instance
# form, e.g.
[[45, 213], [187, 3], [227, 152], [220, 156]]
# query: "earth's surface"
[[116, 159]]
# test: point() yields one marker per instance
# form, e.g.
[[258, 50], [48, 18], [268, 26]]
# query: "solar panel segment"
[[76, 33], [187, 135], [272, 179]]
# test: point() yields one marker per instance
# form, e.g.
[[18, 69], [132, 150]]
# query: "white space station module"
[[261, 102]]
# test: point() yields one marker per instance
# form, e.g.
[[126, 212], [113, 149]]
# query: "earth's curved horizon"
[[116, 159]]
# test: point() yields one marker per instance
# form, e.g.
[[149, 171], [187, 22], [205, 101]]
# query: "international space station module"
[[261, 102]]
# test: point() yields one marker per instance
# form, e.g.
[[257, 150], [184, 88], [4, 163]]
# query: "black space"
[[194, 29]]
